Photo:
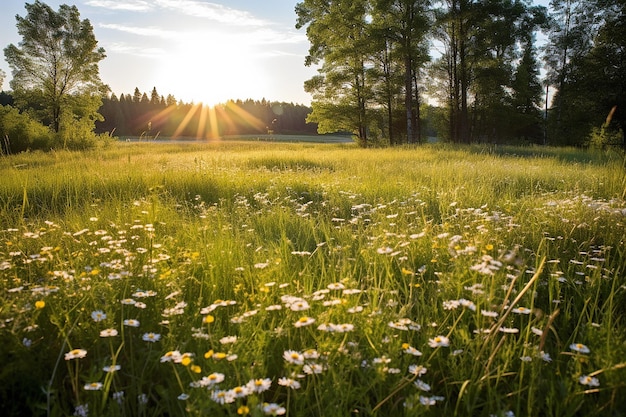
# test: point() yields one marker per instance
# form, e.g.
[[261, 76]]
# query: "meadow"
[[259, 278]]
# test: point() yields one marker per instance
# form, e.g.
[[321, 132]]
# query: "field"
[[260, 278]]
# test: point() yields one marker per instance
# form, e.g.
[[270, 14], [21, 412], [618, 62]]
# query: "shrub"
[[22, 133]]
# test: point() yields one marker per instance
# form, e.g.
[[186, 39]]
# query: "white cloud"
[[151, 31], [212, 11], [137, 51], [128, 5]]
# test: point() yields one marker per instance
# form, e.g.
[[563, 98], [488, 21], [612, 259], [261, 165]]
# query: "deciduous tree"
[[56, 61]]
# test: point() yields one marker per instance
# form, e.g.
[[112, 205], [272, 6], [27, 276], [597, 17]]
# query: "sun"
[[212, 69]]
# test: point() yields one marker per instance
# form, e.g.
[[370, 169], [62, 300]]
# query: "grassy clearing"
[[314, 280]]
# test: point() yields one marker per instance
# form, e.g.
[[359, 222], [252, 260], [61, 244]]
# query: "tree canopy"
[[55, 66], [381, 60]]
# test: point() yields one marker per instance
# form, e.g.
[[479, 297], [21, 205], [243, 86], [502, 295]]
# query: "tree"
[[56, 61], [591, 82], [2, 75], [573, 23], [402, 27], [339, 41], [454, 28]]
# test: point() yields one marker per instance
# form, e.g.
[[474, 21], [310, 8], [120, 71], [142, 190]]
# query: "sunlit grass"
[[260, 278]]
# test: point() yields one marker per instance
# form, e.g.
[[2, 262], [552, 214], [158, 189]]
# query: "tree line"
[[159, 116], [479, 60], [390, 72]]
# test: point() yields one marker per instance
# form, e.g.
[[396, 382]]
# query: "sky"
[[198, 50]]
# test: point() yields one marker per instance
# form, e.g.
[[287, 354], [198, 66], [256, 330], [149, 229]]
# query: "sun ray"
[[201, 132], [245, 116], [215, 131], [186, 120]]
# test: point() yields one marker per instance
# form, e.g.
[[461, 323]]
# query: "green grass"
[[513, 255]]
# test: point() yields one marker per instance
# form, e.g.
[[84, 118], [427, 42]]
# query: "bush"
[[604, 137], [22, 133]]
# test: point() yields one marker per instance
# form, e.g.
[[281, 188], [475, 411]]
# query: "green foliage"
[[55, 68], [78, 118], [586, 62], [21, 133]]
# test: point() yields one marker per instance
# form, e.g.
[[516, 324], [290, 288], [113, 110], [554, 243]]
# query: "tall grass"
[[312, 280]]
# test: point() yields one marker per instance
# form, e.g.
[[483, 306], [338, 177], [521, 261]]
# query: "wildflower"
[[128, 301], [288, 382], [521, 310], [208, 319], [27, 342], [304, 321], [293, 357], [589, 380], [108, 333], [343, 327], [526, 359], [273, 409], [259, 385], [384, 250], [335, 286], [311, 354], [467, 304], [186, 359], [545, 356], [333, 302], [214, 378], [98, 315], [419, 384], [398, 325], [536, 331], [142, 399], [439, 341], [241, 391], [222, 397], [300, 305], [81, 410], [427, 400], [183, 396], [219, 356], [243, 410], [381, 360], [75, 354], [509, 330], [228, 339], [195, 369], [579, 347], [151, 337], [131, 323], [313, 368], [171, 356], [111, 368], [40, 304], [93, 386], [451, 304], [411, 350]]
